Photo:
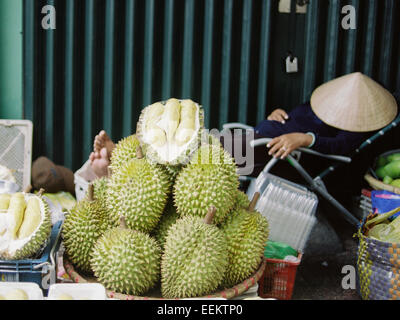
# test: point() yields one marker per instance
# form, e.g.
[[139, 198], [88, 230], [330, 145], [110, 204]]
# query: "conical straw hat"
[[354, 103]]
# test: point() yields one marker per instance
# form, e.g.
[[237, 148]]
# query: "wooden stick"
[[41, 192], [253, 202], [210, 215], [122, 222], [91, 192], [109, 171], [139, 153]]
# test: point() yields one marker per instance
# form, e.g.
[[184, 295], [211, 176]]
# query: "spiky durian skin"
[[123, 152], [139, 191], [39, 238], [242, 201], [81, 229], [152, 154], [169, 218], [246, 234], [210, 179], [171, 171], [195, 259], [100, 186], [127, 261]]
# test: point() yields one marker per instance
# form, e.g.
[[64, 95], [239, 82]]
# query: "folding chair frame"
[[316, 184]]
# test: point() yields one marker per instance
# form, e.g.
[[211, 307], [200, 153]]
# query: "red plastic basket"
[[278, 279]]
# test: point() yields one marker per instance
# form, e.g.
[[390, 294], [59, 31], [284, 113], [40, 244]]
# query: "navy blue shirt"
[[329, 140]]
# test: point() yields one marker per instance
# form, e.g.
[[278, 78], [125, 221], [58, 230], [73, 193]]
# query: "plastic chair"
[[315, 184]]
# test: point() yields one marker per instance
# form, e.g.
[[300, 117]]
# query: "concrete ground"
[[319, 276]]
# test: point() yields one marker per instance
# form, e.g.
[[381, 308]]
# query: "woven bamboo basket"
[[377, 184], [230, 293], [378, 267]]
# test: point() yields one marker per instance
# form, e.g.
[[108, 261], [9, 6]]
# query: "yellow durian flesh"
[[17, 294], [172, 116], [15, 214], [156, 135], [4, 202], [188, 123], [31, 220]]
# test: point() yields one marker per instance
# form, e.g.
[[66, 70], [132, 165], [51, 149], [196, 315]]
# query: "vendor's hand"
[[279, 115], [283, 146]]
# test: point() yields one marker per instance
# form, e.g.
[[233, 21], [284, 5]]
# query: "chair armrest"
[[230, 126], [265, 141]]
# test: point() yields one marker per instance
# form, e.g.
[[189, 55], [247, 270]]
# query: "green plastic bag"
[[279, 251]]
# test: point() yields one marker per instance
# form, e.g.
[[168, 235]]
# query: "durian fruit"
[[100, 187], [35, 224], [246, 231], [195, 258], [210, 179], [82, 227], [124, 151], [172, 172], [242, 201], [16, 294], [139, 191], [169, 217], [126, 261], [170, 132]]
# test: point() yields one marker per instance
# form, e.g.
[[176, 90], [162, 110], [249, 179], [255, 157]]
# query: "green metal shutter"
[[108, 59]]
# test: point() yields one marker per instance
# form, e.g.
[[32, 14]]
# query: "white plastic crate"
[[78, 291], [31, 289], [16, 149], [289, 208]]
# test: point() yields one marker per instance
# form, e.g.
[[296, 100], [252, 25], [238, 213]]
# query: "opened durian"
[[246, 232], [139, 191], [82, 227], [210, 179], [195, 258], [26, 226], [171, 132], [123, 152], [127, 261]]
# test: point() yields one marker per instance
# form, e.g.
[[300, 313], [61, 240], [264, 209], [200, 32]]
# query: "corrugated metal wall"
[[108, 59]]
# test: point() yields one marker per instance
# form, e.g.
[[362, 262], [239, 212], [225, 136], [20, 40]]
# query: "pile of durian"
[[25, 225], [170, 217]]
